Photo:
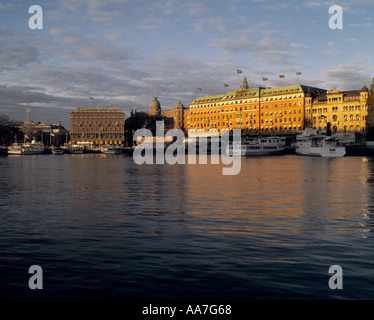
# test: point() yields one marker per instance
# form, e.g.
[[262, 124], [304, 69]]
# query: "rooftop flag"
[[199, 89], [298, 73], [264, 79], [239, 71], [281, 76], [225, 84]]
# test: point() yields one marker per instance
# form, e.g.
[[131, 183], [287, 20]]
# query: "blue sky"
[[119, 51]]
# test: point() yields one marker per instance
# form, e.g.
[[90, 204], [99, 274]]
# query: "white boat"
[[111, 150], [57, 151], [312, 142], [258, 146], [33, 147]]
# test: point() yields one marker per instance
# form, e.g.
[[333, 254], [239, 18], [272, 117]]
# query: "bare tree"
[[8, 129], [30, 131]]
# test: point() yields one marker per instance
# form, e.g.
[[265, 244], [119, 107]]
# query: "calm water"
[[103, 227]]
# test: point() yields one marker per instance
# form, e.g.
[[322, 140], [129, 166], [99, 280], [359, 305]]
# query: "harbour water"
[[103, 227]]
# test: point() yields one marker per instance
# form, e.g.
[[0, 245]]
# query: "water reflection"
[[187, 230]]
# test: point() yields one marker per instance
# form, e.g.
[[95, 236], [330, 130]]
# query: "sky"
[[120, 51]]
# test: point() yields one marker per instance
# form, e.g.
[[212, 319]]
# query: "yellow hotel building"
[[288, 108]]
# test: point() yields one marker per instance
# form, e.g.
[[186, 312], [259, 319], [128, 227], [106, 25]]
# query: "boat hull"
[[23, 151], [112, 152], [57, 151], [255, 153], [16, 152], [328, 152]]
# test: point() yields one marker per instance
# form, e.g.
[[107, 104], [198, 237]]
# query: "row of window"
[[264, 121], [263, 99], [345, 128], [119, 117], [97, 136], [352, 117], [97, 129], [289, 104], [98, 122], [336, 109], [245, 108]]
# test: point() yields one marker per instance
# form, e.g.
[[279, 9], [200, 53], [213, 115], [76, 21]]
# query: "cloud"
[[277, 6], [152, 23], [6, 5], [18, 55], [359, 25], [267, 49], [276, 57], [218, 23], [347, 77], [195, 8], [354, 40], [230, 45]]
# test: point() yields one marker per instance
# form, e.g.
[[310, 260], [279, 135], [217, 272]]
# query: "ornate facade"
[[345, 110], [178, 114]]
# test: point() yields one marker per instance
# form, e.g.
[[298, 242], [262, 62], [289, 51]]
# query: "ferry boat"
[[33, 147], [313, 142], [111, 150], [258, 146]]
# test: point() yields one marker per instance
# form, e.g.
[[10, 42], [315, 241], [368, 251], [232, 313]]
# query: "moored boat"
[[256, 146], [33, 147], [313, 142], [111, 150], [75, 149], [57, 151]]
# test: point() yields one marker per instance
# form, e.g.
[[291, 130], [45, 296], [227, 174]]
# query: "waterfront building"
[[178, 115], [48, 134], [345, 110], [97, 125], [251, 109], [148, 120]]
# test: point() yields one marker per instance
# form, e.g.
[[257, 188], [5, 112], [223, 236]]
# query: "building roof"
[[364, 89], [348, 93], [155, 106], [97, 109], [298, 88], [179, 105], [254, 92]]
